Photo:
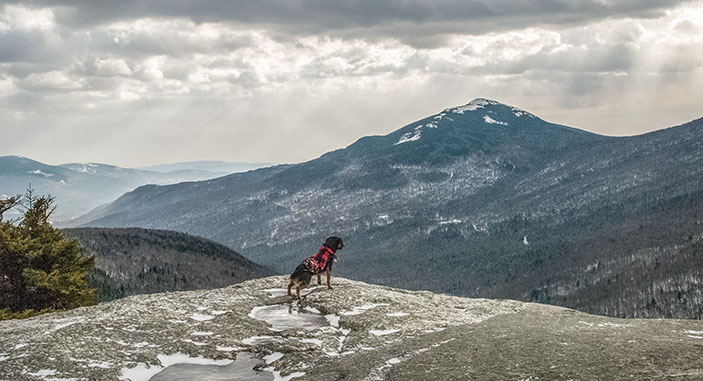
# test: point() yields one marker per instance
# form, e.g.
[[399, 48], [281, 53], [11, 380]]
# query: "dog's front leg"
[[329, 277], [319, 278]]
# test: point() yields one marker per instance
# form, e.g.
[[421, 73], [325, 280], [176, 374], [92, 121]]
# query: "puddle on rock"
[[286, 316], [241, 369]]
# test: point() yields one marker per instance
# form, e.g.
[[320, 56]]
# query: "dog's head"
[[334, 243]]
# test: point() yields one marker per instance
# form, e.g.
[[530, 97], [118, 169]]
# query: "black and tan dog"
[[316, 265]]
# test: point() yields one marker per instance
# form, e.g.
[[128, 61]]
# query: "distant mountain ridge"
[[81, 187], [483, 199], [142, 261], [221, 167]]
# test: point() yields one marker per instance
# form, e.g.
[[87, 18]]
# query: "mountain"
[[221, 167], [81, 187], [481, 200], [356, 331], [139, 261]]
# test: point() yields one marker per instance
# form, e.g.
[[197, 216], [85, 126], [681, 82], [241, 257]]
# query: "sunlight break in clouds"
[[169, 83]]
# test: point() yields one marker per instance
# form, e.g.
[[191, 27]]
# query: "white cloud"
[[241, 82]]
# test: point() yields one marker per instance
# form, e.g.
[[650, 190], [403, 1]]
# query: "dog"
[[316, 265]]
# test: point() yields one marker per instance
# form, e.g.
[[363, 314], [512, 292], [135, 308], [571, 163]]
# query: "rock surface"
[[356, 331]]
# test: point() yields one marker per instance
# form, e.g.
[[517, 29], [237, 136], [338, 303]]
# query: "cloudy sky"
[[140, 82]]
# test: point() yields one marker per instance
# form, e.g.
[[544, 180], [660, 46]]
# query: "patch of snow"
[[201, 317], [218, 312], [377, 332], [64, 323], [18, 346], [43, 373], [312, 309], [361, 309], [274, 292], [397, 314], [4, 356], [474, 105], [613, 325], [333, 320], [317, 342], [490, 120], [409, 137], [201, 333], [198, 343], [39, 172], [273, 357], [693, 332], [277, 375], [524, 240], [256, 339], [695, 337], [201, 308]]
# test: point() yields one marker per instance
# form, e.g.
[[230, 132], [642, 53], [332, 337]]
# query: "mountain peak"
[[481, 103]]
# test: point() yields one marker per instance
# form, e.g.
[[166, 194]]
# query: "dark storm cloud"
[[368, 18]]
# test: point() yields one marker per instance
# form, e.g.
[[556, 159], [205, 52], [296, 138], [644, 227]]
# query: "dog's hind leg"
[[290, 285], [319, 278]]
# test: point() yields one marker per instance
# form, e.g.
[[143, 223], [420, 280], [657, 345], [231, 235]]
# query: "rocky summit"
[[356, 331]]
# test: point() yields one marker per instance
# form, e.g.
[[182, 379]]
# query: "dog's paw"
[[329, 287]]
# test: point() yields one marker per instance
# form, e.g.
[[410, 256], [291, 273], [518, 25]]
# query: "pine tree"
[[40, 269]]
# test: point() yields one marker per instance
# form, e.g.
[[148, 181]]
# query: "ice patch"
[[490, 120], [201, 317], [377, 332]]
